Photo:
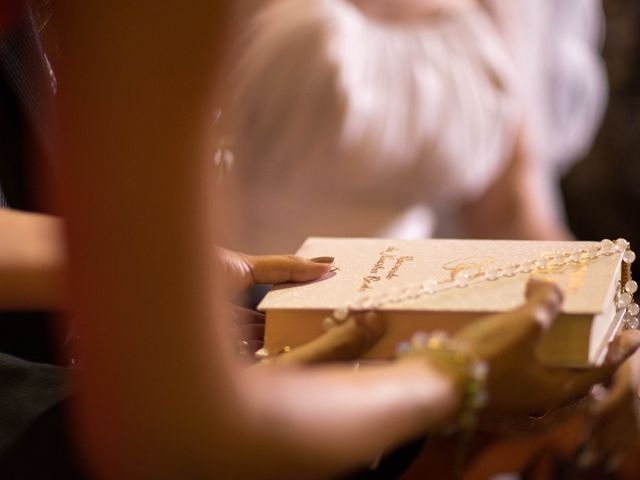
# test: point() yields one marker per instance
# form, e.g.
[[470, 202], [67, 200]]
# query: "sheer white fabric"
[[555, 47], [352, 126]]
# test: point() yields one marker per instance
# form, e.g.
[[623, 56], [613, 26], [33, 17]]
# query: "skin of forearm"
[[161, 397], [31, 261], [333, 418]]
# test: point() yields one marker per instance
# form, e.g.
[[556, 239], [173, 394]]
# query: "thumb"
[[622, 347], [516, 329], [543, 303], [344, 342], [544, 299]]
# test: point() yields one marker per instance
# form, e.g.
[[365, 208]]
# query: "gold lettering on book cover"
[[386, 256], [390, 261], [394, 270]]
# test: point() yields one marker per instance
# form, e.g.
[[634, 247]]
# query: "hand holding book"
[[242, 271], [519, 382], [420, 395]]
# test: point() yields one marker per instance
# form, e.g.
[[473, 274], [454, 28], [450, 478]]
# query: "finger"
[[622, 347], [244, 316], [575, 384], [344, 342], [544, 299], [616, 395], [518, 328], [273, 269]]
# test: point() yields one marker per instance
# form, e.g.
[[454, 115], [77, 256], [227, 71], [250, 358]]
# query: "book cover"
[[464, 270]]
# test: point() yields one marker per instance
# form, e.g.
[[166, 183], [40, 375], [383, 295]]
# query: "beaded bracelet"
[[442, 349], [439, 347]]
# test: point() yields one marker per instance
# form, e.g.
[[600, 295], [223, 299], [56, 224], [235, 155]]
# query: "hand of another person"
[[518, 383], [244, 271], [346, 342], [614, 424]]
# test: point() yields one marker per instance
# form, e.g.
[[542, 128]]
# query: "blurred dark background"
[[602, 193]]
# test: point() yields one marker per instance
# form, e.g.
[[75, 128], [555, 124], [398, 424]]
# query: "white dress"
[[350, 126]]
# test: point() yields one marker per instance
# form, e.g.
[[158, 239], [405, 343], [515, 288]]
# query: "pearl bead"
[[633, 323], [631, 287], [363, 303], [593, 252], [328, 324], [437, 340], [494, 274], [575, 257], [430, 287], [622, 244], [557, 259], [462, 280], [419, 340], [606, 247], [629, 256], [599, 392], [633, 309], [480, 371], [341, 314], [542, 263], [606, 244], [510, 270], [624, 299], [526, 267]]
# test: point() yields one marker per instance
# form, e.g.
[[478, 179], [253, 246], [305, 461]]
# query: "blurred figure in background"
[[416, 117]]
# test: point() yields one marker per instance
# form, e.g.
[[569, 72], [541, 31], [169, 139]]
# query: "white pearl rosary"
[[432, 286]]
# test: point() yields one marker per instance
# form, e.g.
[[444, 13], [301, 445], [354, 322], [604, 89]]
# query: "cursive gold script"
[[376, 274]]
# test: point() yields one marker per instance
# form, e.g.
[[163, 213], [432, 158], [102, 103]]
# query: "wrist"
[[462, 375], [450, 384]]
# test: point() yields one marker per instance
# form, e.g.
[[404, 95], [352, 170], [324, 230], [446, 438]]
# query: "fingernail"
[[372, 324], [535, 284], [327, 260], [547, 298]]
